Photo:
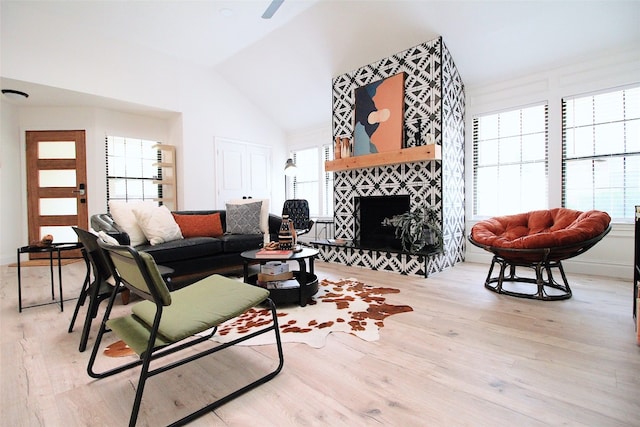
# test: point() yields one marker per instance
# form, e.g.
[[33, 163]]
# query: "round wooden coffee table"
[[305, 275]]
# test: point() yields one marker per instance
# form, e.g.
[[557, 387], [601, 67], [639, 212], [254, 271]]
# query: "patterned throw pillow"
[[264, 212], [244, 219]]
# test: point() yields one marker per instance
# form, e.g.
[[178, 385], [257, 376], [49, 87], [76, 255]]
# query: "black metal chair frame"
[[97, 290], [548, 259], [152, 353]]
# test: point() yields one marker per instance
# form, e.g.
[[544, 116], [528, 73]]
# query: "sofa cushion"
[[540, 229], [244, 219], [240, 242], [194, 308], [199, 225], [181, 249]]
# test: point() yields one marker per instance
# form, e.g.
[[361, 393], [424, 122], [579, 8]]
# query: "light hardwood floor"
[[464, 356]]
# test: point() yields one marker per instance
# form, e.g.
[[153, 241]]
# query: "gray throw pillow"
[[244, 219]]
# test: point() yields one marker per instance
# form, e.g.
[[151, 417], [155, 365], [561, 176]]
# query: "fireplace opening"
[[370, 212]]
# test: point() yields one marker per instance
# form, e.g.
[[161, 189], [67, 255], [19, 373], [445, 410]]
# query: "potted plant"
[[417, 229]]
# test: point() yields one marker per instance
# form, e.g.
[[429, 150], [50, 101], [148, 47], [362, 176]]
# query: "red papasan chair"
[[539, 240]]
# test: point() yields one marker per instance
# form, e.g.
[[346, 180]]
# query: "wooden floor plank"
[[463, 356]]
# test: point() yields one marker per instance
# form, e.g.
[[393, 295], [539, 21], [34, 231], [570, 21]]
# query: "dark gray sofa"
[[194, 255]]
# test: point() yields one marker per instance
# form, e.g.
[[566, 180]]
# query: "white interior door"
[[242, 170]]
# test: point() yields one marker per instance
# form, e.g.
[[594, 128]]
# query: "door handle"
[[80, 191]]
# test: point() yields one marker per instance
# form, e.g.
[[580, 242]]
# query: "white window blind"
[[311, 182], [510, 161], [130, 169], [601, 152]]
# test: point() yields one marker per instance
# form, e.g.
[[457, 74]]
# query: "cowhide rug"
[[346, 305]]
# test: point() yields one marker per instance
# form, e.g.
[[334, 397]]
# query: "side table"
[[54, 247], [305, 276]]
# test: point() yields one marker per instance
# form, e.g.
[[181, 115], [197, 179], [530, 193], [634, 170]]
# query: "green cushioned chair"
[[166, 318]]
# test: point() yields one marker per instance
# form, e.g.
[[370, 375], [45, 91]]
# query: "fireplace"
[[370, 212]]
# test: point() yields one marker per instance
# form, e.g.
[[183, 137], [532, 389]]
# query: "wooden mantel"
[[404, 155]]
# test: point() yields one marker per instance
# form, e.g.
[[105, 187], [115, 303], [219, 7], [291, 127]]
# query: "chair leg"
[[92, 312], [81, 299], [146, 372]]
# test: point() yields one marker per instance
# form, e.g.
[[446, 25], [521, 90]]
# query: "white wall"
[[212, 108], [10, 185], [613, 256], [200, 105]]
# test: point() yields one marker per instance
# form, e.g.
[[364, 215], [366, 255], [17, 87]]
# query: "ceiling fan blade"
[[273, 7]]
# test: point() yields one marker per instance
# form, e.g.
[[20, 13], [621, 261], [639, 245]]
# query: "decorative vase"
[[418, 135], [294, 235], [285, 235], [429, 237], [337, 152], [346, 148]]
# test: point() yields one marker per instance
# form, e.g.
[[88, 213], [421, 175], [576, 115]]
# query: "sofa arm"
[[104, 222]]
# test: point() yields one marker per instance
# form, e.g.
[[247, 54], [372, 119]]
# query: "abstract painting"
[[379, 116]]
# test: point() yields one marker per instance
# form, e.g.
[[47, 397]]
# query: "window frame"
[[324, 182], [475, 127], [629, 207], [126, 177]]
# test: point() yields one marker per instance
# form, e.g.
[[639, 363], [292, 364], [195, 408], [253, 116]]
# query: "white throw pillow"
[[264, 214], [157, 224], [122, 213]]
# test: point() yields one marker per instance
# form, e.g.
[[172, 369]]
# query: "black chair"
[[169, 322], [97, 290], [298, 211]]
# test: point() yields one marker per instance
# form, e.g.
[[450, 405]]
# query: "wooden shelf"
[[167, 162], [169, 181], [405, 155]]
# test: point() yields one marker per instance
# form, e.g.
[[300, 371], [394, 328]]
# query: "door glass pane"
[[61, 234], [56, 150], [59, 206], [57, 178]]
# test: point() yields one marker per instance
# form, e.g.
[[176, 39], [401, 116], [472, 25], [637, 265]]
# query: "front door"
[[56, 186]]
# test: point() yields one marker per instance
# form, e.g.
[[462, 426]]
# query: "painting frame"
[[379, 116]]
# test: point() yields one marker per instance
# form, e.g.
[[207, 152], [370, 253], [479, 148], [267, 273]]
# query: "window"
[[311, 182], [130, 169], [510, 161], [601, 152]]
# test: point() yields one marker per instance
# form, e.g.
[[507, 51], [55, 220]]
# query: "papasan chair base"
[[537, 240], [546, 287]]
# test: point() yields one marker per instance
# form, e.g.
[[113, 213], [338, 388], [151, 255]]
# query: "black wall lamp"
[[14, 94]]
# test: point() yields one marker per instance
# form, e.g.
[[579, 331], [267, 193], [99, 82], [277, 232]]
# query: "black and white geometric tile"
[[434, 104]]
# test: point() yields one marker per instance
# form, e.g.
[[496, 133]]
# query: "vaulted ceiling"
[[285, 64]]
